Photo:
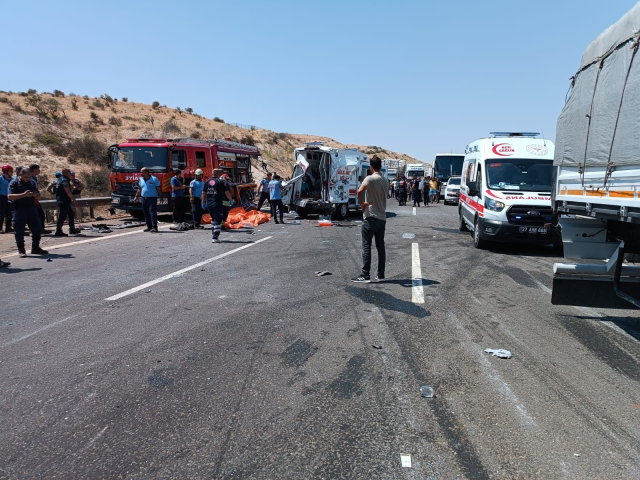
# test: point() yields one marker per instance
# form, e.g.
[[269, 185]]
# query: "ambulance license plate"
[[115, 199], [534, 230]]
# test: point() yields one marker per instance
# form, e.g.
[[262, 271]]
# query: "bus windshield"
[[134, 158], [446, 166], [523, 175]]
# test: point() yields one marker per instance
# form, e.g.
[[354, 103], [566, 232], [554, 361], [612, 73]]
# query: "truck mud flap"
[[592, 292]]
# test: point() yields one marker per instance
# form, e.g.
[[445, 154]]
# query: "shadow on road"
[[386, 301], [409, 282], [522, 249], [11, 270], [631, 325]]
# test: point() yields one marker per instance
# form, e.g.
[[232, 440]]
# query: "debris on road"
[[49, 259], [405, 459], [499, 352], [378, 347], [325, 223], [408, 235], [89, 374], [322, 273], [177, 275], [576, 454], [426, 392]]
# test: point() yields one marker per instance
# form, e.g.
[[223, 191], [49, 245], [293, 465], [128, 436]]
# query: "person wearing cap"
[[226, 204], [177, 196], [5, 206], [35, 171], [53, 185], [214, 193], [275, 195], [23, 194], [195, 192], [65, 198]]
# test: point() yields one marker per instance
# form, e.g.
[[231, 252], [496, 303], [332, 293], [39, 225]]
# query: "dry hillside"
[[54, 130]]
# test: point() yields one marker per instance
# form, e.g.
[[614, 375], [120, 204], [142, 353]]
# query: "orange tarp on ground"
[[238, 218]]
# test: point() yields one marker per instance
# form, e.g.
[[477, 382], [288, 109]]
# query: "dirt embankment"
[[56, 130]]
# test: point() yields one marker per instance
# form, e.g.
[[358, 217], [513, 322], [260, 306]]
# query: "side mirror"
[[472, 189]]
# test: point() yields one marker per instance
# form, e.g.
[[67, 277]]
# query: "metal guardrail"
[[82, 202]]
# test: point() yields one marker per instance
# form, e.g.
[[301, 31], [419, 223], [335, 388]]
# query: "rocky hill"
[[58, 129]]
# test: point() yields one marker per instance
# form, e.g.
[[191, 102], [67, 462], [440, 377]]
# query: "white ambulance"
[[505, 190], [325, 180]]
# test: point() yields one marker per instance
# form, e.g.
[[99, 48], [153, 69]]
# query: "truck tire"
[[302, 213], [478, 242], [138, 214], [462, 226], [341, 210]]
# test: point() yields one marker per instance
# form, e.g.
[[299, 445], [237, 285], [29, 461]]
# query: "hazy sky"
[[418, 77]]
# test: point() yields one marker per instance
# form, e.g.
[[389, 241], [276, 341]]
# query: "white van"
[[325, 180], [414, 170], [505, 190]]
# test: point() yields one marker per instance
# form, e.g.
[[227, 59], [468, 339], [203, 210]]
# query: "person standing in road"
[[177, 196], [195, 192], [5, 206], [53, 185], [263, 190], [4, 264], [149, 189], [375, 220], [76, 188], [275, 198], [424, 189], [226, 204], [64, 198], [214, 193], [433, 189], [23, 193], [415, 191], [35, 171], [402, 192]]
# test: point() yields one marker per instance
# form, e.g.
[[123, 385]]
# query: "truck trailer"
[[597, 174]]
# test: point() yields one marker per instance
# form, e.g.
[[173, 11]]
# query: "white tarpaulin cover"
[[598, 90]]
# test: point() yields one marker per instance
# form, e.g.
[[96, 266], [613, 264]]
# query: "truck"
[[325, 180], [446, 165], [597, 174], [414, 170], [392, 173], [163, 155]]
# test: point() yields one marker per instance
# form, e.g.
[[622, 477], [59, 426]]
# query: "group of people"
[[20, 205], [270, 190], [417, 189]]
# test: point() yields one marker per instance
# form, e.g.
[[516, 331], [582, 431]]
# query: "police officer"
[[35, 171], [195, 192], [402, 192], [64, 198], [23, 194], [227, 204], [415, 191], [214, 193]]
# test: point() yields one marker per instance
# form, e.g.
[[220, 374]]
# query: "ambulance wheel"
[[341, 211], [478, 241], [462, 226], [302, 213]]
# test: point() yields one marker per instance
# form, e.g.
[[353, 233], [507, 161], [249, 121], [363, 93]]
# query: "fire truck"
[[163, 155]]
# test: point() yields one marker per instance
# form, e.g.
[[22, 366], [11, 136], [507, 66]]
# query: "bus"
[[447, 165]]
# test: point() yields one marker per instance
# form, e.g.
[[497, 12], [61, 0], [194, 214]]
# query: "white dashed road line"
[[417, 292], [414, 210], [170, 275]]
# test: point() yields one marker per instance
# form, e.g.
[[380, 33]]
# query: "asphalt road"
[[247, 366]]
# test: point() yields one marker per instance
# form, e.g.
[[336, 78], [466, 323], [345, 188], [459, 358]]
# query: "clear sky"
[[418, 77]]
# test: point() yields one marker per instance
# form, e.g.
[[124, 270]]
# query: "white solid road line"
[[417, 293], [35, 332], [414, 210], [167, 277], [88, 240]]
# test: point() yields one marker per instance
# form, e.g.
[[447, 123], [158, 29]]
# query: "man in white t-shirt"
[[375, 220]]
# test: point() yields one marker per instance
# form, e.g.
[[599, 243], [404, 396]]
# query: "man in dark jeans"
[[215, 192], [35, 171], [177, 196], [65, 198], [23, 194], [375, 220], [149, 188], [263, 190], [5, 206]]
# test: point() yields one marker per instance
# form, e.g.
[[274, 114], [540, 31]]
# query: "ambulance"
[[505, 190], [325, 180]]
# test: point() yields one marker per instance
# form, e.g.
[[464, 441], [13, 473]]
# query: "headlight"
[[494, 205]]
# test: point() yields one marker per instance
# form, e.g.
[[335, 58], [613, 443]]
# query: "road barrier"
[[49, 205]]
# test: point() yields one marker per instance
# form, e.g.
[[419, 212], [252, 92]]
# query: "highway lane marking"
[[41, 329], [184, 270], [414, 210], [88, 240], [417, 292]]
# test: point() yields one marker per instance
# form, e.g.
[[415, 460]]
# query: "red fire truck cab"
[[163, 155]]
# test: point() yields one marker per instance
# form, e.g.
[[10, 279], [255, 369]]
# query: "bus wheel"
[[341, 211]]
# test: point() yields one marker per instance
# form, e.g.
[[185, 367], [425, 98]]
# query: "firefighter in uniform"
[[214, 193]]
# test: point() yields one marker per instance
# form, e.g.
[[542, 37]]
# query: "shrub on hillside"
[[89, 149], [198, 125], [107, 98], [32, 91], [218, 119], [58, 93], [48, 139], [155, 105], [98, 104], [188, 110], [95, 118], [4, 100], [44, 108], [125, 99], [248, 140], [97, 182], [115, 121], [170, 127], [74, 103]]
